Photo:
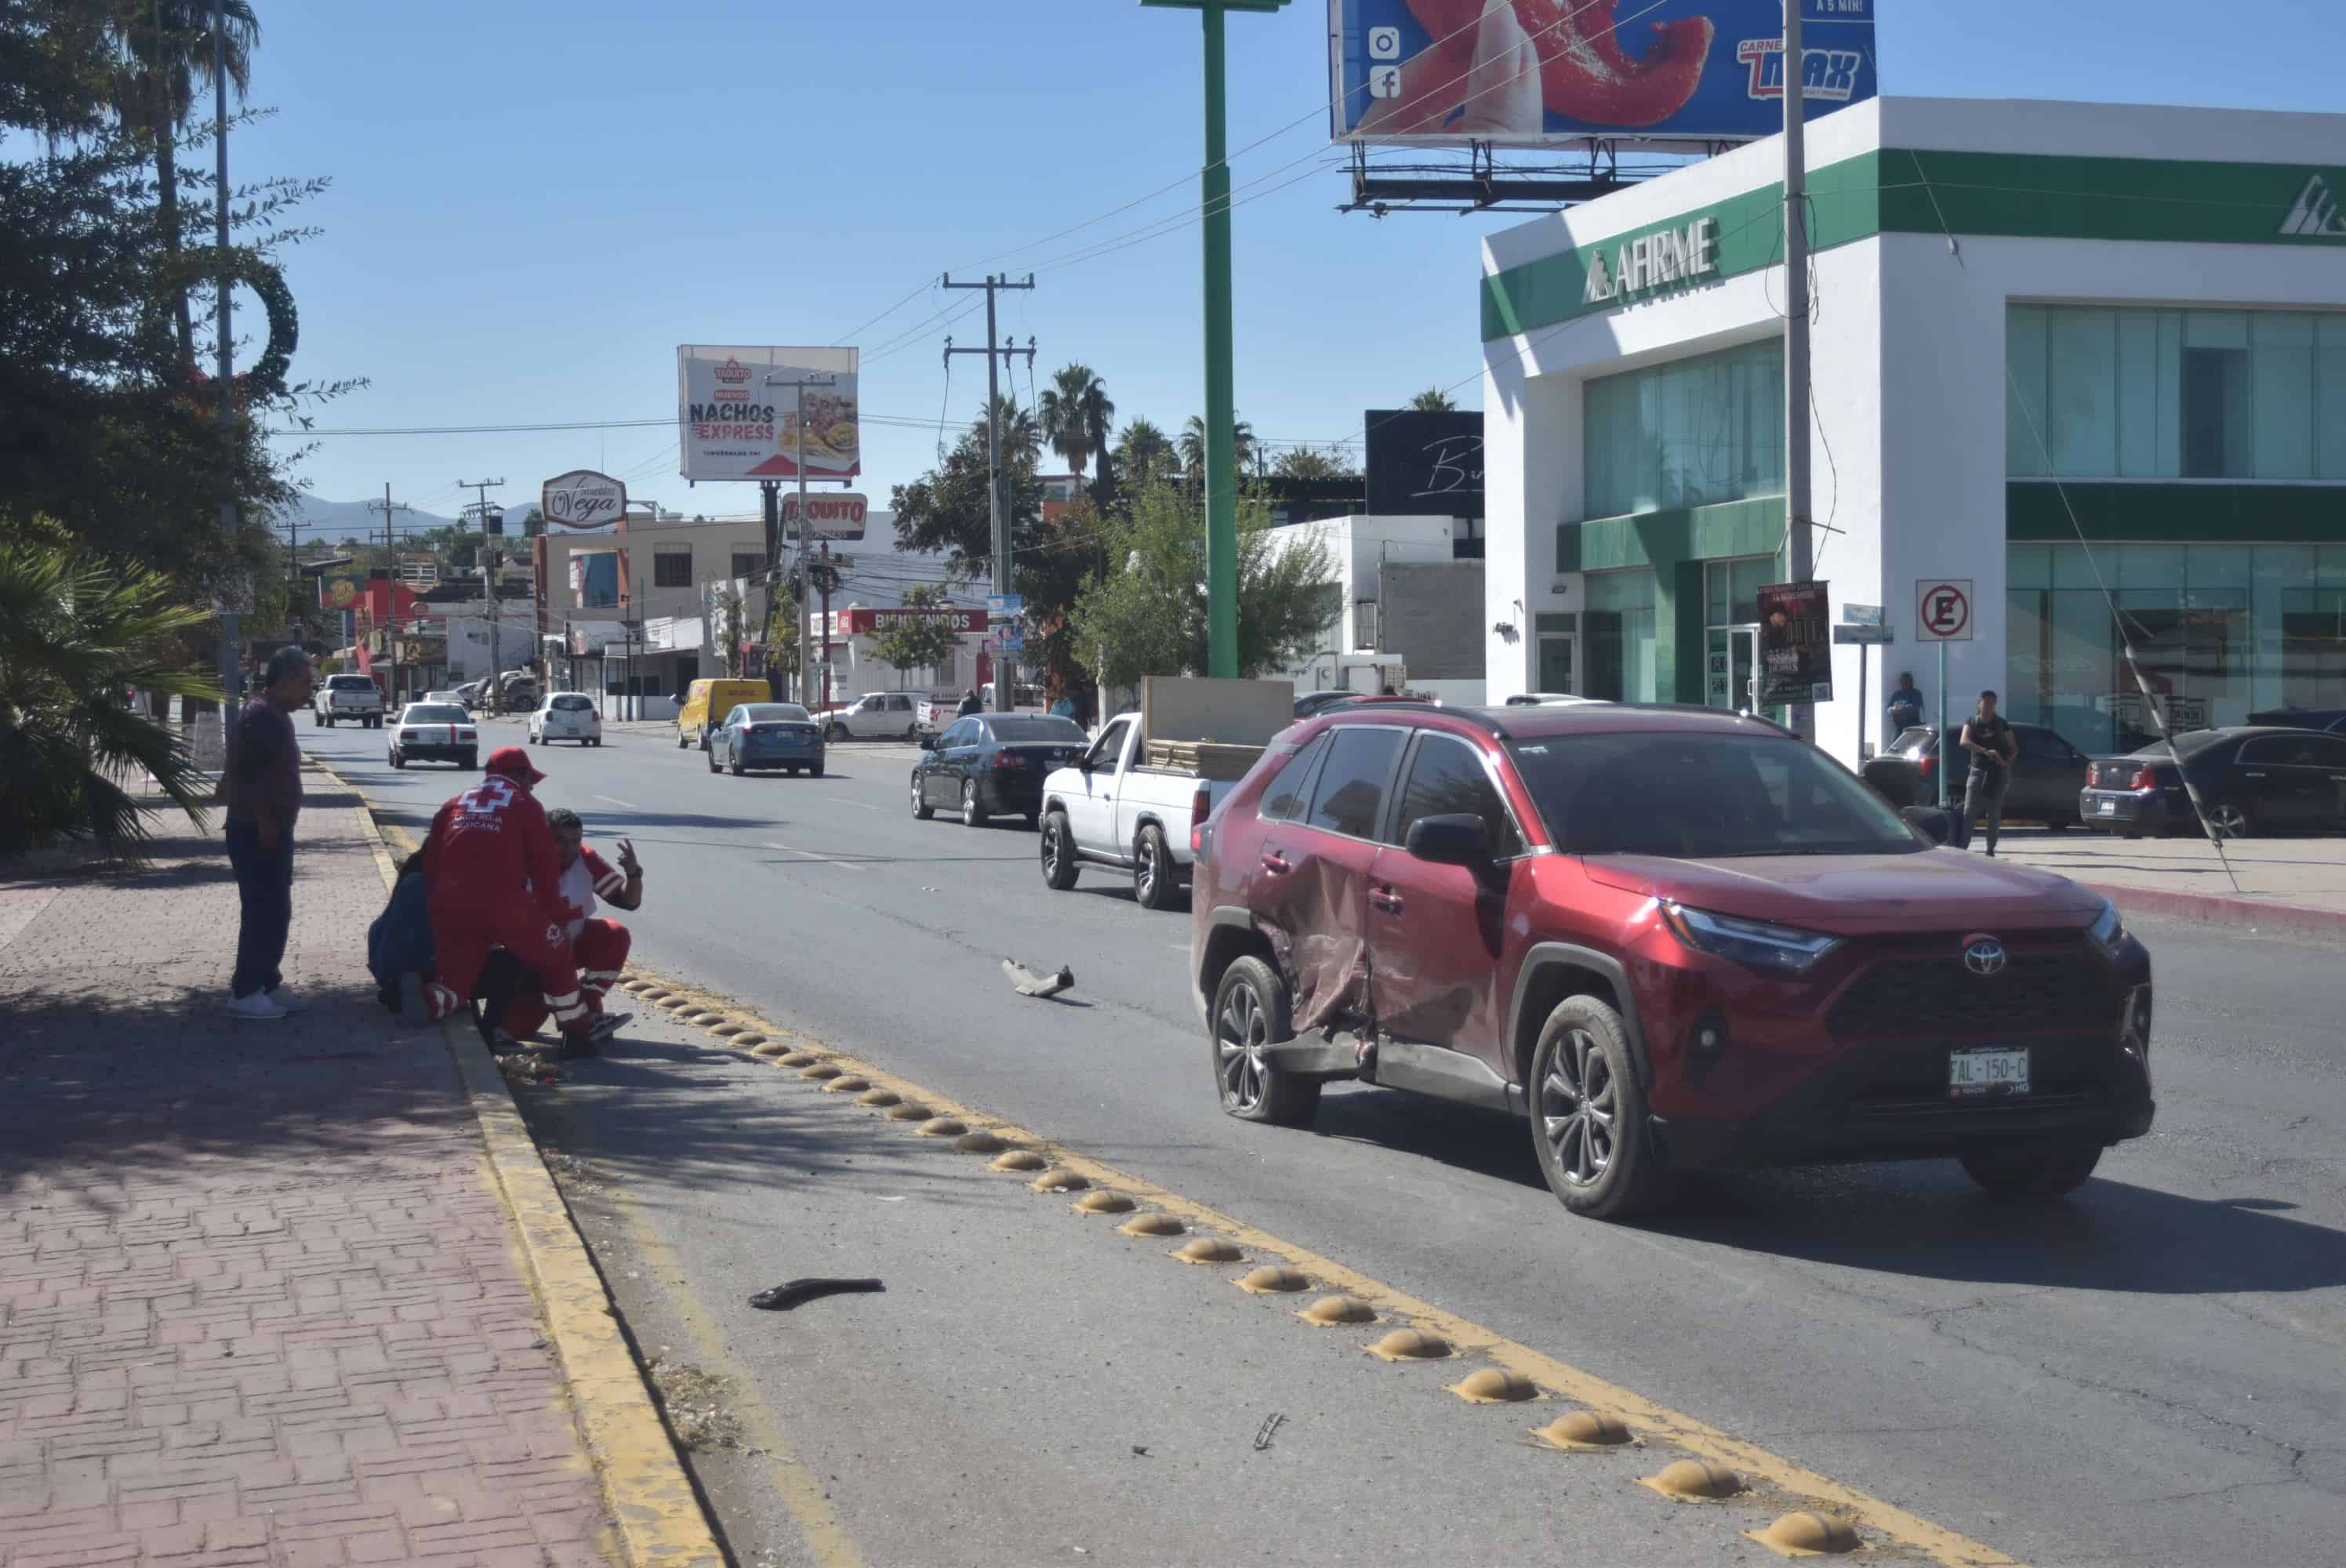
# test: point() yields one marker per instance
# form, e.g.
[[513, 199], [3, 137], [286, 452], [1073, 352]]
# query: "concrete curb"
[[651, 1499], [2219, 910]]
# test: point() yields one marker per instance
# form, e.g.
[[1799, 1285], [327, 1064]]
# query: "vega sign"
[[583, 502]]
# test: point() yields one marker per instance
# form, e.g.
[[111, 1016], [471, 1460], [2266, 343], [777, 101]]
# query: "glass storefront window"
[[1692, 432], [1618, 629], [2124, 393], [2219, 632]]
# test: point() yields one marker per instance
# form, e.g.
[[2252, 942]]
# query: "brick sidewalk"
[[260, 1302]]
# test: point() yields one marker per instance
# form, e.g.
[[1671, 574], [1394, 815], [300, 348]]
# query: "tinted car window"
[[436, 713], [2267, 748], [769, 713], [956, 734], [1351, 794], [1446, 777], [2325, 751], [569, 704], [1284, 800], [1692, 795], [1056, 731], [350, 683]]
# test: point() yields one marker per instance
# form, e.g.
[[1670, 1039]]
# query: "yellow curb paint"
[[1643, 1415], [656, 1515]]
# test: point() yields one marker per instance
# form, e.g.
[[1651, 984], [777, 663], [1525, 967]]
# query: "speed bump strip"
[[769, 1050], [727, 1031], [847, 1084], [1412, 1345], [1694, 1481], [822, 1071], [1650, 1418], [906, 1111], [1103, 1202], [752, 1038], [878, 1097], [1807, 1535], [802, 1058], [1207, 1249], [1335, 1312], [979, 1143], [1272, 1280], [1056, 1179], [1583, 1430], [941, 1127], [1152, 1225], [1494, 1386], [1019, 1160]]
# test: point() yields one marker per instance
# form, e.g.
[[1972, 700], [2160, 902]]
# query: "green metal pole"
[[1221, 457]]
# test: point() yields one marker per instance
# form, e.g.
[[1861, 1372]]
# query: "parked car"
[[455, 697], [1110, 808], [566, 716], [993, 765], [2329, 719], [469, 694], [2047, 773], [1312, 702], [706, 704], [353, 697], [2251, 782], [882, 714], [434, 732], [1666, 939], [760, 735]]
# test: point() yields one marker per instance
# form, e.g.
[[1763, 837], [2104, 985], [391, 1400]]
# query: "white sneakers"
[[257, 1007], [287, 998]]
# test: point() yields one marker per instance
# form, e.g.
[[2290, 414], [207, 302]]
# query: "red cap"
[[514, 763]]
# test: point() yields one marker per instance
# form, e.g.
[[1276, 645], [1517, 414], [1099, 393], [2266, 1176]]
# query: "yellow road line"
[[1644, 1415], [658, 1517]]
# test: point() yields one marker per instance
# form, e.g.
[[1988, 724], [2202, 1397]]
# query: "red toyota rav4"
[[1669, 938]]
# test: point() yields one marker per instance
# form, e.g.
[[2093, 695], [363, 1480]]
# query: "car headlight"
[[1756, 942], [2109, 931]]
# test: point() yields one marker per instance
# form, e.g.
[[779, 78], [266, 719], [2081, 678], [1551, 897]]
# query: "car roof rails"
[[1476, 717]]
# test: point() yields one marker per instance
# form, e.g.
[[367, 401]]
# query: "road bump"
[[1583, 1431], [1207, 1249], [1412, 1345], [1335, 1312], [1152, 1225], [1494, 1386], [978, 1143], [1694, 1481], [1019, 1160], [1272, 1280], [727, 1031], [878, 1097], [847, 1084], [1807, 1535], [753, 1039], [769, 1050], [1059, 1179], [941, 1127], [1103, 1202], [907, 1111], [822, 1071], [798, 1057]]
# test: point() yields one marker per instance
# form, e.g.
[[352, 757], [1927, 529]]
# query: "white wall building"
[[1351, 645], [2048, 338]]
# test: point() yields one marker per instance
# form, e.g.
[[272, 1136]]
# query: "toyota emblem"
[[1983, 955]]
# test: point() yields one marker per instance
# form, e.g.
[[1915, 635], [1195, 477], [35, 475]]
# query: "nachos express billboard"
[[1689, 70], [737, 413]]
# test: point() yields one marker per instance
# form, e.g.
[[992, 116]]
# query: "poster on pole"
[[1435, 72], [737, 412], [1795, 643]]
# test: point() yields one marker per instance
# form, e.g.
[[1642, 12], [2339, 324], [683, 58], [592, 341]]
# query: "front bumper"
[[2126, 811]]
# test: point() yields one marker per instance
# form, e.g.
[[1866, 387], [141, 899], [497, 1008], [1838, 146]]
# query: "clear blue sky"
[[533, 203]]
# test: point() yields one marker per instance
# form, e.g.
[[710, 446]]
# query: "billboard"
[[1453, 71], [737, 413], [1423, 462]]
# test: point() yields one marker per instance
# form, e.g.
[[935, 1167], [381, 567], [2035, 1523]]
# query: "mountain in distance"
[[333, 520]]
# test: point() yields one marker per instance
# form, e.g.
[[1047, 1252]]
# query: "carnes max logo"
[[2316, 214], [1671, 256]]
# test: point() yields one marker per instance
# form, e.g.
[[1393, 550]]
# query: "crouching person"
[[399, 945], [598, 947]]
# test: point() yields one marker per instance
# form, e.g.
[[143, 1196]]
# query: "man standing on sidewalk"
[[264, 798]]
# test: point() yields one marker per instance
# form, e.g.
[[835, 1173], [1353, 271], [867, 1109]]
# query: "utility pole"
[[1221, 415], [1799, 545], [231, 673], [770, 493], [488, 563], [997, 497], [390, 591]]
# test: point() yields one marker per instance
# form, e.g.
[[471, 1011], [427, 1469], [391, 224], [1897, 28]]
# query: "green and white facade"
[[2050, 340]]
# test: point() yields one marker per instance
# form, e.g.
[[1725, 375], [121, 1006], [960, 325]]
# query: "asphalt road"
[[2151, 1372]]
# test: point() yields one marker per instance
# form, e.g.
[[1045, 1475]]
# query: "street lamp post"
[[1221, 416]]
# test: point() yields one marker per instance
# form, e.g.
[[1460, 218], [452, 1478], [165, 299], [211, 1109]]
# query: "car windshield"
[[772, 713], [436, 713], [569, 704], [1021, 732], [1699, 795]]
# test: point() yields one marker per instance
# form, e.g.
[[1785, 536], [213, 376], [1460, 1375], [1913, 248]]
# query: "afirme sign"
[[1650, 261], [835, 515], [583, 502]]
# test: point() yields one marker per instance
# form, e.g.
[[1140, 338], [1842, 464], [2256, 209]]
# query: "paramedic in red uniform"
[[599, 947], [493, 878]]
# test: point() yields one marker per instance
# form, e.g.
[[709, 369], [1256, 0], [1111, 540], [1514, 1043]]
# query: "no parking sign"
[[1942, 610]]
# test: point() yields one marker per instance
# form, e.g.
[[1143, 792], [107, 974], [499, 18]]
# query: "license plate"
[[1986, 1072], [2107, 808]]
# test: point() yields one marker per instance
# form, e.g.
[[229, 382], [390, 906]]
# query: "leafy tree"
[[1146, 453], [1193, 445], [1432, 400], [75, 634], [1148, 618], [945, 512], [920, 642], [1315, 463], [782, 635]]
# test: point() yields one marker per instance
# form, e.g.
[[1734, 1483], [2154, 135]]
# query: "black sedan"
[[993, 765], [2046, 774], [2252, 781]]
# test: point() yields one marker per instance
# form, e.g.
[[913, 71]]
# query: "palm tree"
[[1100, 418], [74, 635], [1020, 434], [1432, 400], [1068, 406], [165, 50], [1193, 444], [1144, 451]]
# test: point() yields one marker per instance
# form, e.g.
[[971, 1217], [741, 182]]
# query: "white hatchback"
[[566, 716]]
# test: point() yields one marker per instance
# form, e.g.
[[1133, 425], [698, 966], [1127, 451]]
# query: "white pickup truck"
[[1112, 809], [351, 697]]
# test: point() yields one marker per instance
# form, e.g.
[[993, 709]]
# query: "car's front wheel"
[[2032, 1170], [1152, 871], [838, 732], [1251, 1011], [1589, 1114], [397, 760], [972, 815], [1059, 865], [735, 765], [712, 760], [922, 810]]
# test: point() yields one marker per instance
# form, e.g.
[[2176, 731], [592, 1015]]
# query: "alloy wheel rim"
[[969, 798], [1050, 847], [1239, 1039], [2230, 818], [1578, 1109], [1146, 877]]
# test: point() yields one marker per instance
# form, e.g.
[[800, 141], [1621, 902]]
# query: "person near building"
[[1905, 706], [493, 878], [598, 947], [264, 801], [969, 704], [1991, 742]]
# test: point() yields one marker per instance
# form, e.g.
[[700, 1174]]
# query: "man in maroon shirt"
[[264, 799]]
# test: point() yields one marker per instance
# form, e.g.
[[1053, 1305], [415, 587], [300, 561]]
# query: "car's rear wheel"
[[736, 766], [1059, 863], [472, 761], [712, 760], [814, 769], [1152, 871], [682, 740], [2032, 1170], [972, 814], [838, 732], [1251, 1011], [2230, 819], [1589, 1114], [397, 760]]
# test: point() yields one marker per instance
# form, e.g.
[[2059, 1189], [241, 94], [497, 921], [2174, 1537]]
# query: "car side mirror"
[[1458, 839], [929, 742]]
